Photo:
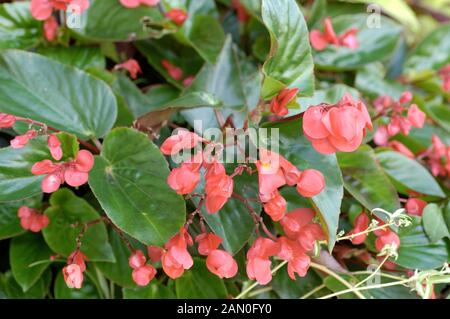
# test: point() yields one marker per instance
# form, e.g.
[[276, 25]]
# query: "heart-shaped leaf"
[[434, 223], [129, 179], [68, 215]]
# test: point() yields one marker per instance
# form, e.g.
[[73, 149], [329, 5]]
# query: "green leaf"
[[199, 283], [432, 53], [68, 214], [375, 44], [365, 180], [87, 291], [69, 145], [128, 24], [373, 84], [290, 61], [151, 291], [129, 181], [18, 29], [409, 173], [206, 36], [298, 150], [24, 251], [222, 80], [118, 272], [417, 251], [434, 223], [440, 113], [58, 95], [9, 222], [16, 180], [287, 288], [236, 234], [38, 291], [78, 56]]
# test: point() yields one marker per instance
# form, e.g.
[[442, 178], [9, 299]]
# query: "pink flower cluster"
[[7, 120], [73, 272], [415, 206], [178, 16], [278, 105], [73, 172], [401, 117], [385, 236], [338, 127], [299, 239], [142, 273], [31, 219], [321, 40], [274, 171], [21, 140]]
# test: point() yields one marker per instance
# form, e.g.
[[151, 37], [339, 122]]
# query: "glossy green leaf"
[[290, 61], [374, 84], [128, 24], [298, 150], [222, 80], [409, 173], [432, 53], [366, 181], [434, 223], [68, 214], [87, 291], [199, 283], [439, 113], [18, 29], [151, 291], [9, 222], [24, 251], [417, 251], [375, 43], [81, 57], [129, 181], [16, 180], [38, 291], [59, 95]]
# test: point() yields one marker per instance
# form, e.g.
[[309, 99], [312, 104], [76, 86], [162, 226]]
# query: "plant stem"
[[312, 292], [374, 273], [338, 278], [369, 230]]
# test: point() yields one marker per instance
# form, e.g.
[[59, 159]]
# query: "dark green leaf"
[[199, 283], [38, 291], [24, 251], [287, 288], [68, 214], [151, 291]]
